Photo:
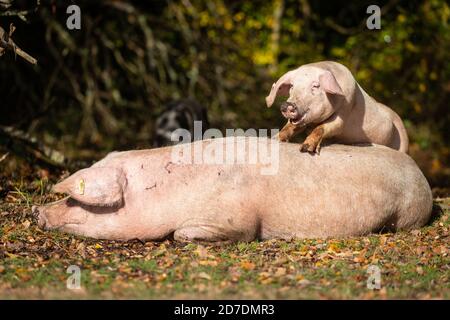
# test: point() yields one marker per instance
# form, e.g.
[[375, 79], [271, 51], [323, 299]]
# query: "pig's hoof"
[[306, 147]]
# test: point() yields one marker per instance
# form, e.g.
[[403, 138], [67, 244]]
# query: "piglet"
[[325, 97]]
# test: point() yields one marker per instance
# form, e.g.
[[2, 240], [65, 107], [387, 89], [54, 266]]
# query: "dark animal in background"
[[179, 114]]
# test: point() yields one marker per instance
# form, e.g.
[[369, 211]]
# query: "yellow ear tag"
[[81, 186]]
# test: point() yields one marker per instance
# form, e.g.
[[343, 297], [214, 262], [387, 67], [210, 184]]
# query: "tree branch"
[[6, 43]]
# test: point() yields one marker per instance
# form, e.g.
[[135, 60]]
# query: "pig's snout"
[[289, 110], [40, 216], [287, 107]]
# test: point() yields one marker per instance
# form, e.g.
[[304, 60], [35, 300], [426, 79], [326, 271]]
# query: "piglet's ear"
[[100, 186], [329, 83], [281, 87]]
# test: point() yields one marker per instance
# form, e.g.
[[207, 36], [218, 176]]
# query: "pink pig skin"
[[346, 191], [325, 93]]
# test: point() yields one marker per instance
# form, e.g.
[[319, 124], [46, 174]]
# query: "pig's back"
[[344, 191]]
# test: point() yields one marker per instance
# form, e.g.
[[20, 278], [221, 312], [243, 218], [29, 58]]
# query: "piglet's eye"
[[315, 85]]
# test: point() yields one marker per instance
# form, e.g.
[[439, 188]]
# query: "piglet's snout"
[[289, 110]]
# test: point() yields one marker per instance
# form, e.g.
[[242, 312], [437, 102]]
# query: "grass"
[[33, 263]]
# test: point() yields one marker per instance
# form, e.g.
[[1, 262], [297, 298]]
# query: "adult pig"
[[346, 191]]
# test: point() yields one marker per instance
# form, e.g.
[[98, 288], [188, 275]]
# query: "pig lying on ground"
[[347, 191], [326, 98]]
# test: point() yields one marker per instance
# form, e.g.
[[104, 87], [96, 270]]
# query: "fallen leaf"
[[440, 250], [304, 282], [201, 252], [421, 249], [23, 274], [26, 224], [211, 263], [247, 265], [419, 270], [204, 275], [333, 248], [280, 272]]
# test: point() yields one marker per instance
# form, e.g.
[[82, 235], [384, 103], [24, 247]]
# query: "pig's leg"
[[213, 232], [328, 129], [198, 234], [288, 132]]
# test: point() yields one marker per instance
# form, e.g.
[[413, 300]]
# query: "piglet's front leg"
[[313, 141], [328, 129], [288, 132]]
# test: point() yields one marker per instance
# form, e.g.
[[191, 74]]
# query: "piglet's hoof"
[[311, 148]]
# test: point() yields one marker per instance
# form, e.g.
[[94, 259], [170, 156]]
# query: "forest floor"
[[33, 263]]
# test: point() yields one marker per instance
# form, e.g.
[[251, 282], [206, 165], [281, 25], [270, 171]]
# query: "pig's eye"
[[315, 88]]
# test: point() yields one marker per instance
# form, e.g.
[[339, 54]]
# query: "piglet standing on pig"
[[145, 194], [325, 97]]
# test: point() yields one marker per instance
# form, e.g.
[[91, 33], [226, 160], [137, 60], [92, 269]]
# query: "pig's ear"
[[281, 87], [329, 83], [101, 186]]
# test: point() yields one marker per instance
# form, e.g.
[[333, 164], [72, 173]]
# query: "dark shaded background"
[[101, 88]]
